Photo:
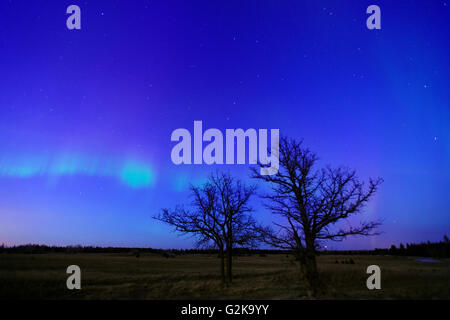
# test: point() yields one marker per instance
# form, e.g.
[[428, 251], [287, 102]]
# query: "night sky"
[[86, 115]]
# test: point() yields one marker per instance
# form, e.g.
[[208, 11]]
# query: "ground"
[[151, 276]]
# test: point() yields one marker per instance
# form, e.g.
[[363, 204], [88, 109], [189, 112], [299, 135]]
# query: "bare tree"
[[220, 217], [312, 203], [239, 227]]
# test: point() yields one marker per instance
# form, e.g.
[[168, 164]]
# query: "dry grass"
[[108, 276]]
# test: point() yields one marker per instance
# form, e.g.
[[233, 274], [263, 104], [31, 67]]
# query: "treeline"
[[425, 249], [40, 249]]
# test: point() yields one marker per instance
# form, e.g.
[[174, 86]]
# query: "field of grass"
[[114, 276]]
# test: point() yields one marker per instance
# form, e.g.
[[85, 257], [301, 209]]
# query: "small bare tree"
[[312, 203], [239, 227], [220, 217]]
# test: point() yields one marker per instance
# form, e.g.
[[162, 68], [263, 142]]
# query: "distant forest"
[[439, 249]]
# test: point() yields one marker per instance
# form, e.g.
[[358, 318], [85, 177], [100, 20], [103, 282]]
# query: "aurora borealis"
[[132, 174], [86, 115]]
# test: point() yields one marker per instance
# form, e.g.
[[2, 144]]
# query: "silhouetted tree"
[[220, 217], [311, 203], [402, 250], [239, 227]]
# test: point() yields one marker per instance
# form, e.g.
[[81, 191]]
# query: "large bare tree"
[[219, 216], [312, 203]]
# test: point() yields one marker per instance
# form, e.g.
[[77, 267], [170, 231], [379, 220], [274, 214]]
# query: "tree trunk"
[[229, 243], [310, 273], [222, 264], [229, 262]]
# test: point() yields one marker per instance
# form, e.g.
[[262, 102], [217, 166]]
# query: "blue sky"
[[86, 115]]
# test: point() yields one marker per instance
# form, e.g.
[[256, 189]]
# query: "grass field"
[[114, 276]]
